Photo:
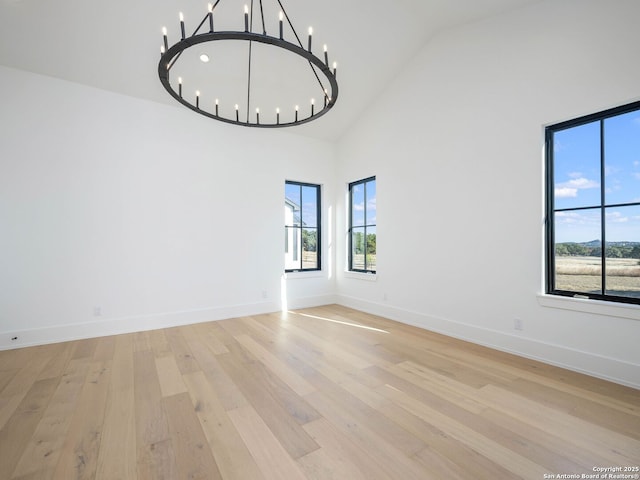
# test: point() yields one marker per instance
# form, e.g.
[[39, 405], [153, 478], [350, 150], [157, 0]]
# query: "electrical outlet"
[[264, 294], [517, 324], [97, 311]]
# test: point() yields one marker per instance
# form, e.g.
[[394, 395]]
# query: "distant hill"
[[593, 248], [596, 243]]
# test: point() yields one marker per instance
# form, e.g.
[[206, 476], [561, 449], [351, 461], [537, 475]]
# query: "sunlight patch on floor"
[[373, 329]]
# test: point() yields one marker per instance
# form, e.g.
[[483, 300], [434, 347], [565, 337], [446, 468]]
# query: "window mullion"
[[301, 249], [603, 235], [551, 250], [366, 267]]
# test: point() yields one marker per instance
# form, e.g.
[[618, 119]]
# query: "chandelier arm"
[[324, 93], [300, 43], [200, 26], [174, 60], [264, 28], [290, 24]]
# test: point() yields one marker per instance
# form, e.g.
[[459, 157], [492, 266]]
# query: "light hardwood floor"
[[322, 393]]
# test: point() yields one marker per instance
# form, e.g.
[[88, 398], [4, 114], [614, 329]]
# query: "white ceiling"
[[114, 45]]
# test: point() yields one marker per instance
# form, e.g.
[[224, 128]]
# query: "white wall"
[[456, 145], [118, 214]]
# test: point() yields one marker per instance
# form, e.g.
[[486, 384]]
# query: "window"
[[301, 226], [362, 225], [593, 206]]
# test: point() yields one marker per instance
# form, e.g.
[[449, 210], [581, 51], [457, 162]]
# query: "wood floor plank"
[[16, 433], [339, 457], [104, 350], [455, 392], [14, 392], [384, 454], [360, 413], [159, 343], [181, 351], [297, 383], [463, 460], [16, 358], [171, 382], [564, 456], [586, 408], [270, 456], [229, 451], [194, 459], [155, 457], [347, 358], [59, 359], [439, 466], [117, 456], [617, 448], [340, 330], [258, 392], [228, 392], [515, 463], [43, 450], [79, 452], [6, 375], [208, 334], [84, 348], [141, 342]]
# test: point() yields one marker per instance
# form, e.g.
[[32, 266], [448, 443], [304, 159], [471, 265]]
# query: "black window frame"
[[299, 245], [550, 247], [366, 225]]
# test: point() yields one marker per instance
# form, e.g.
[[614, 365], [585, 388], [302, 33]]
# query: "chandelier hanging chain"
[[169, 57], [249, 68]]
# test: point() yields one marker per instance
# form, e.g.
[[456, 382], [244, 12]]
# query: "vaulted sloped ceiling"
[[115, 45]]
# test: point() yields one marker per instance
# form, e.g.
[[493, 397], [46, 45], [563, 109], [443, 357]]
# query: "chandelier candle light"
[[169, 56]]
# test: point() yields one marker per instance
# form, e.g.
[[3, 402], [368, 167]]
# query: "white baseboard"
[[129, 324], [140, 323], [611, 369]]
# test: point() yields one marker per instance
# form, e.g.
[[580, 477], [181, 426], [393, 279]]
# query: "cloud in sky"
[[570, 188], [616, 217], [567, 217], [576, 218], [581, 183], [566, 192]]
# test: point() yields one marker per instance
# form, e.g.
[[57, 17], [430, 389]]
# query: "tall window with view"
[[301, 227], [362, 226], [593, 206]]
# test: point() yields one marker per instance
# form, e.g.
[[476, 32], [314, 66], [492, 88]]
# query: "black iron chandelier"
[[245, 111]]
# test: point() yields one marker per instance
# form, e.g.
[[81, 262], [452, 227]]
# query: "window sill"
[[371, 277], [301, 275], [596, 307]]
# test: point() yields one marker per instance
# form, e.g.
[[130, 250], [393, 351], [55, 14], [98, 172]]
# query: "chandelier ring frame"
[[170, 57]]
